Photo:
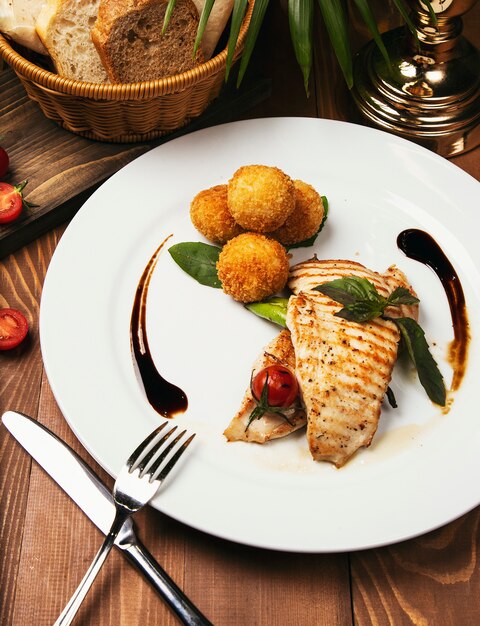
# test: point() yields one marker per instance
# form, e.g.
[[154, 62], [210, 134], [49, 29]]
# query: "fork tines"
[[151, 462]]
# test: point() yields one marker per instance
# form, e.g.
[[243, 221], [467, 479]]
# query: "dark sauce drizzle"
[[419, 245], [167, 399]]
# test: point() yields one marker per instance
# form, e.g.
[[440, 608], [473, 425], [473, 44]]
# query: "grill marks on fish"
[[307, 275], [343, 367], [271, 425]]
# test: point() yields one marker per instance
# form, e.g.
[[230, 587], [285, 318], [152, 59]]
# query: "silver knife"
[[85, 488]]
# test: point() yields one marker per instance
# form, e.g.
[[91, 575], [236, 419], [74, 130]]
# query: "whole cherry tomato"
[[13, 328], [4, 161], [282, 386], [11, 201]]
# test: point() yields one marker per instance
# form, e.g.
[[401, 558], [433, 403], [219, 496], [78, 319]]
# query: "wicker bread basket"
[[123, 112]]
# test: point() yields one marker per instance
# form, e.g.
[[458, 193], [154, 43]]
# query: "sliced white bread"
[[64, 27], [129, 40], [17, 21]]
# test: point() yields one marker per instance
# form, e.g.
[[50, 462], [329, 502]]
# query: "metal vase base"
[[429, 94]]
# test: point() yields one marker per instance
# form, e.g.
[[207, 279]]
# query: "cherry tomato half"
[[11, 203], [4, 161], [13, 328], [282, 386]]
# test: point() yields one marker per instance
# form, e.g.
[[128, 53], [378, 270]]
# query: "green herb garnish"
[[417, 347], [199, 260], [263, 407], [273, 309], [362, 302]]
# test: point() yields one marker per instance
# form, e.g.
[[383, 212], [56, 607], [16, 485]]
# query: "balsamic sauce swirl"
[[421, 246], [167, 399]]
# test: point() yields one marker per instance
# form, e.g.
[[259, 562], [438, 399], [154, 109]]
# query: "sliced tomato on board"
[[11, 201], [13, 328]]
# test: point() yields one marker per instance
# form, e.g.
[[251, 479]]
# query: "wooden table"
[[46, 543]]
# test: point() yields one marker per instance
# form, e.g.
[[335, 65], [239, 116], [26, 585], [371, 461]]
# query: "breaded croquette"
[[210, 215], [260, 197], [252, 267], [306, 218]]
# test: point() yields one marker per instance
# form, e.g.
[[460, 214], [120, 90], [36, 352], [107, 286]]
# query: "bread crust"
[[127, 30]]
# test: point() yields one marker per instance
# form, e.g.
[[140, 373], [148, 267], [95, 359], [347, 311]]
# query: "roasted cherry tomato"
[[13, 328], [282, 386], [11, 201], [4, 161]]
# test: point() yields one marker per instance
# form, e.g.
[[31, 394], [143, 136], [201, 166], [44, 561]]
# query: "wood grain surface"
[[46, 542], [63, 169]]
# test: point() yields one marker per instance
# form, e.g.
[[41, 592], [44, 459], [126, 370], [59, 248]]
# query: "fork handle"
[[78, 596], [185, 610]]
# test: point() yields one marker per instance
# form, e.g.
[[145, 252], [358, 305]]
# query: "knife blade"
[[86, 489]]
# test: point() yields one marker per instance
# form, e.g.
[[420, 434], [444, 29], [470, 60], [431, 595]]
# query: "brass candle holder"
[[430, 91]]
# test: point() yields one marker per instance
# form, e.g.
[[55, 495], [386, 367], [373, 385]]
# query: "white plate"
[[420, 471]]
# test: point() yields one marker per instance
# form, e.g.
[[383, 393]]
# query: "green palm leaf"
[[238, 13], [258, 13], [406, 16], [300, 17], [433, 15], [168, 14], [207, 8], [369, 19], [335, 20]]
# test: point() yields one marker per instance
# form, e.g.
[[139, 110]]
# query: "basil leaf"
[[401, 295], [418, 350], [361, 311], [306, 243], [273, 309], [360, 298], [350, 290], [199, 260]]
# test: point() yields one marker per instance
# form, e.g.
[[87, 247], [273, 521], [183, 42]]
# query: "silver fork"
[[136, 484]]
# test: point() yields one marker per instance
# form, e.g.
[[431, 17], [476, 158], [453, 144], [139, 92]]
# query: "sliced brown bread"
[[129, 40], [64, 28]]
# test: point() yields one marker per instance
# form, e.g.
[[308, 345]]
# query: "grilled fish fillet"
[[343, 367], [270, 425], [396, 278]]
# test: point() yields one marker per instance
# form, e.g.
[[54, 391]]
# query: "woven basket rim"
[[121, 91]]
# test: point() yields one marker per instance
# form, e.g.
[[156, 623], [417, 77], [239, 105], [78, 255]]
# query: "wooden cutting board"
[[63, 169]]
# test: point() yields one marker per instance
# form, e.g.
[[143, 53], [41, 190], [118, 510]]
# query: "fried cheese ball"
[[306, 217], [252, 267], [210, 215], [260, 197]]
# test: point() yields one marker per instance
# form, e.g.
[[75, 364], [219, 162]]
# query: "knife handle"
[[165, 586]]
